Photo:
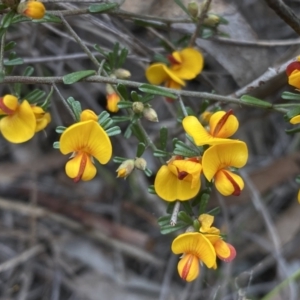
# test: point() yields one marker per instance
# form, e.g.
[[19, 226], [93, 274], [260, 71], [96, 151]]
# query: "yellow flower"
[[112, 102], [217, 159], [295, 120], [42, 118], [184, 65], [178, 180], [18, 123], [85, 140], [293, 73], [221, 126], [196, 248], [32, 9], [224, 251]]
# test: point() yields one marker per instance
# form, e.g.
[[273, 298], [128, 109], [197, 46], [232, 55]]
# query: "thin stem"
[[2, 52], [175, 212], [79, 41], [102, 79], [64, 101], [182, 106]]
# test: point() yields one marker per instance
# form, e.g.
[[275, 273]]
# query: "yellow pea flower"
[[217, 159], [224, 251], [221, 126], [42, 118], [196, 248], [18, 123], [178, 180], [184, 65], [32, 9], [293, 73], [112, 99], [85, 140]]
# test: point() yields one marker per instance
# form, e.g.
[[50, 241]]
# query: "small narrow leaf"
[[56, 145], [169, 228], [9, 46], [7, 19], [148, 172], [215, 211], [292, 113], [128, 132], [103, 117], [101, 8], [60, 129], [164, 220], [118, 159], [160, 153], [184, 217], [14, 62], [151, 190], [255, 101], [182, 6], [107, 123], [163, 138], [113, 131], [292, 131], [135, 97], [77, 76], [118, 119], [125, 104], [154, 90], [35, 96], [140, 149], [48, 18], [290, 96], [203, 203], [123, 91], [138, 133]]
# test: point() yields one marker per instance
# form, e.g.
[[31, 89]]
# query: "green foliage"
[[155, 90], [102, 8], [255, 101], [76, 107], [77, 76]]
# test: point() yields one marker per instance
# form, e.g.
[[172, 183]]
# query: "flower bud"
[[212, 20], [150, 114], [125, 168], [122, 73], [32, 9], [193, 9], [112, 102], [138, 107], [140, 163]]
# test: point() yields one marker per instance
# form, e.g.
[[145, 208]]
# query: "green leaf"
[[107, 123], [292, 131], [290, 96], [170, 207], [103, 117], [46, 103], [100, 50], [19, 19], [35, 95], [2, 75], [182, 6], [292, 113], [14, 62], [187, 207], [169, 228], [48, 18], [148, 172], [123, 91], [146, 98], [184, 217], [17, 86], [9, 46], [155, 90], [196, 225], [138, 133], [76, 107], [128, 132], [203, 203], [164, 220], [215, 211], [255, 101], [113, 131], [185, 150], [135, 96], [28, 71], [140, 149], [118, 119], [163, 138], [101, 8], [2, 31], [125, 104], [297, 179], [7, 19], [151, 190], [60, 129], [122, 58], [77, 76], [56, 145], [118, 159], [160, 153]]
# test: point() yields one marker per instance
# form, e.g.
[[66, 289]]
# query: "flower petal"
[[228, 183], [232, 254], [294, 79], [191, 64], [42, 118], [80, 167], [295, 120], [170, 188], [206, 221], [188, 267], [87, 115], [194, 128], [20, 126], [173, 75], [221, 156], [222, 249], [197, 244], [156, 73], [223, 124], [88, 137], [8, 104]]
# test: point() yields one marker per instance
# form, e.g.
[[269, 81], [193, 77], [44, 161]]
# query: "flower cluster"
[[180, 178], [86, 140], [203, 246], [183, 65], [21, 120]]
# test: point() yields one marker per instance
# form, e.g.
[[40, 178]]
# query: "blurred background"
[[100, 239]]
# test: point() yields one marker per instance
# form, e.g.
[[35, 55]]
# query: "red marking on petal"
[[237, 189], [182, 174], [186, 268], [5, 109], [194, 159], [81, 168], [232, 255], [295, 65], [222, 121], [172, 60]]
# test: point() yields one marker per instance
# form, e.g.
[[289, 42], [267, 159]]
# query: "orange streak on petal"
[[221, 122], [237, 189], [82, 166], [187, 267], [5, 108]]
